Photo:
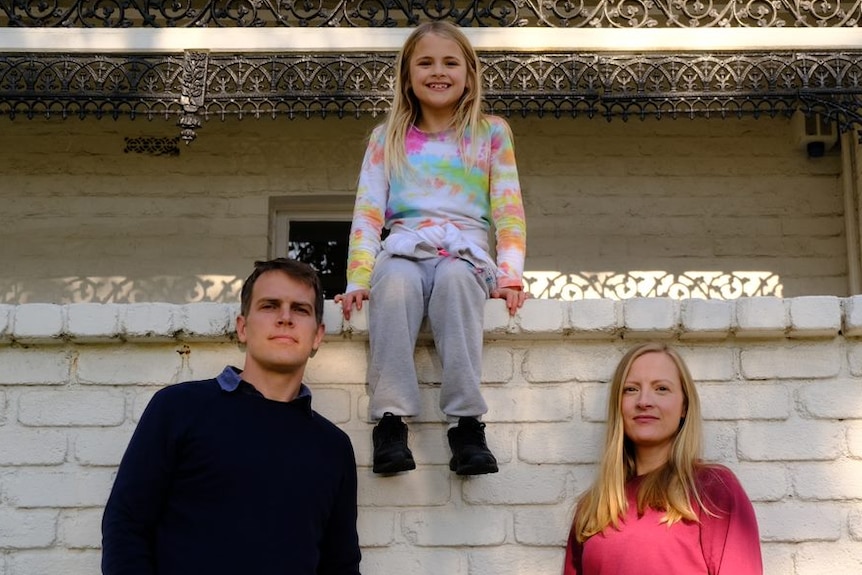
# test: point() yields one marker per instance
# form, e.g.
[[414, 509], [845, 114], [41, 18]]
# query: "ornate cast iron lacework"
[[385, 13], [202, 86]]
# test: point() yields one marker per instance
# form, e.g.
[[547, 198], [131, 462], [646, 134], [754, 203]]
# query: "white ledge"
[[601, 319], [528, 39]]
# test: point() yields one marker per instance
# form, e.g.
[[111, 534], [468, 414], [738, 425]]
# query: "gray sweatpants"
[[403, 291]]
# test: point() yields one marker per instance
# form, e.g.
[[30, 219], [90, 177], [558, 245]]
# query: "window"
[[313, 229]]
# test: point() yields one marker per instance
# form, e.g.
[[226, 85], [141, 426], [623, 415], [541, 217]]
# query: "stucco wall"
[[84, 221], [780, 382]]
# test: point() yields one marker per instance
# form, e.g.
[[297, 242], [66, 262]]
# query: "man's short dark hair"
[[295, 269]]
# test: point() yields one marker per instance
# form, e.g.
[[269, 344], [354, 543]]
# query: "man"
[[237, 474]]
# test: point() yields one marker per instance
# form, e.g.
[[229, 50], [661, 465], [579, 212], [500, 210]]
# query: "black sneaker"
[[391, 454], [470, 453]]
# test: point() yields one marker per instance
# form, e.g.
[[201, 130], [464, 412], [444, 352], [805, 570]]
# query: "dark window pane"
[[324, 246]]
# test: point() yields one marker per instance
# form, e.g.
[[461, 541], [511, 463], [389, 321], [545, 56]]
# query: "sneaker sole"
[[393, 467], [474, 469]]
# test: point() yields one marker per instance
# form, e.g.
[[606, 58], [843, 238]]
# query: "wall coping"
[[600, 319]]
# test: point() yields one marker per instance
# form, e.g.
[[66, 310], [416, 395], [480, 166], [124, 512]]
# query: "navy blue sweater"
[[228, 482]]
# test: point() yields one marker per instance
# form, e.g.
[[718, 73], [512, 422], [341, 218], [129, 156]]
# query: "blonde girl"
[[655, 507], [437, 177]]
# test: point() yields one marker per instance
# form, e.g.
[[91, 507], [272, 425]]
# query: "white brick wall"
[[700, 195], [783, 410]]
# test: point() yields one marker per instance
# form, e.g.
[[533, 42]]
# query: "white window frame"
[[304, 208]]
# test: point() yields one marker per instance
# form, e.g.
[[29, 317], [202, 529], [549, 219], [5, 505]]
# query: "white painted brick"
[[791, 440], [409, 560], [451, 527], [38, 322], [760, 317], [140, 401], [542, 317], [92, 321], [27, 528], [854, 356], [650, 317], [496, 318], [706, 319], [711, 363], [853, 316], [376, 528], [149, 321], [854, 439], [147, 365], [357, 326], [720, 441], [570, 362], [498, 364], [789, 522], [854, 520], [334, 320], [71, 561], [561, 443], [815, 316], [595, 402], [72, 488], [745, 401], [800, 361], [338, 362], [38, 366], [778, 558], [830, 399], [521, 485], [762, 481], [334, 404], [81, 528], [595, 317], [828, 480], [546, 404], [22, 446], [207, 320], [819, 559], [417, 488], [6, 314], [69, 408], [207, 360], [101, 446], [2, 407], [512, 560], [545, 525]]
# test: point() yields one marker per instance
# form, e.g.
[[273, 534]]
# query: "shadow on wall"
[[553, 285]]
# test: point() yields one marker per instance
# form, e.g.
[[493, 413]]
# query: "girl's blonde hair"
[[406, 109], [671, 487]]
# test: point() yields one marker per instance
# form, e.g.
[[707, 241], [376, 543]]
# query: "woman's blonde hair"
[[406, 110], [671, 487]]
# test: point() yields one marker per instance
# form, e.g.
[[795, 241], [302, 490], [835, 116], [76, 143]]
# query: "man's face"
[[280, 330]]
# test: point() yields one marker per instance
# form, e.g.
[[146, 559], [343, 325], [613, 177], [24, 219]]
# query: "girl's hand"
[[514, 298], [349, 299]]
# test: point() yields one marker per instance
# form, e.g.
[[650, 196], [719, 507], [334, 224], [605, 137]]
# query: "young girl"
[[437, 175], [656, 508]]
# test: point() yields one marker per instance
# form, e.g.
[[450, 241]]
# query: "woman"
[[655, 507]]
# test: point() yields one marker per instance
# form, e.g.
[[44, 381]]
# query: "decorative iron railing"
[[199, 86], [386, 13]]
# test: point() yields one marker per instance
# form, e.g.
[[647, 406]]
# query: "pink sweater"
[[728, 544]]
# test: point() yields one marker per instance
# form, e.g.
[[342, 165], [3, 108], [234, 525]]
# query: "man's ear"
[[240, 328], [318, 339]]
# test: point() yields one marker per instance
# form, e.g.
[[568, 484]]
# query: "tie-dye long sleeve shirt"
[[435, 192]]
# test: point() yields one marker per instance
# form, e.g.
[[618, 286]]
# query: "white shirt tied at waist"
[[432, 241]]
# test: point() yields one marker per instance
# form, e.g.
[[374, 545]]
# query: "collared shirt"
[[230, 380]]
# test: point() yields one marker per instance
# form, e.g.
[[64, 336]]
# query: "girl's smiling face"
[[438, 74], [653, 403]]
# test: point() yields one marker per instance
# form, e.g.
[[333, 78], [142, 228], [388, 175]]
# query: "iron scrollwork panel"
[[199, 85], [387, 13]]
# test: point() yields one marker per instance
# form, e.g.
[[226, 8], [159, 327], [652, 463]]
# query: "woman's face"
[[653, 402]]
